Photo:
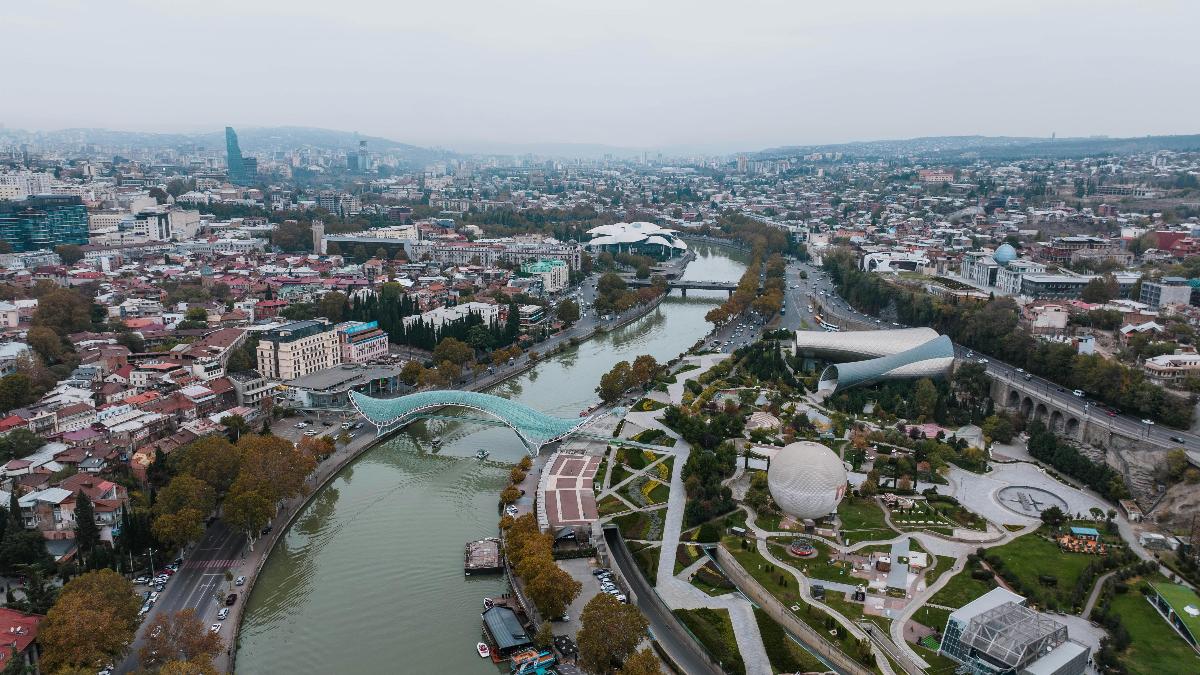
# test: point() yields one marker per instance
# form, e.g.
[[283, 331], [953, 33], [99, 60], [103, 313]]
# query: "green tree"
[[46, 342], [1100, 290], [235, 425], [411, 373], [70, 253], [998, 428], [16, 390], [64, 310], [18, 443], [333, 306], [610, 633], [87, 535], [453, 350], [39, 594], [567, 311], [925, 397]]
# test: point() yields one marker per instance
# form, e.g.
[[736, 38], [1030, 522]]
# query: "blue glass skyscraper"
[[233, 157]]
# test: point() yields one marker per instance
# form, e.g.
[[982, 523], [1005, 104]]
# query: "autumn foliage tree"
[[610, 633], [91, 624], [531, 552], [179, 636]]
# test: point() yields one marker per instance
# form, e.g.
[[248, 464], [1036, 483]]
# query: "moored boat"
[[483, 650]]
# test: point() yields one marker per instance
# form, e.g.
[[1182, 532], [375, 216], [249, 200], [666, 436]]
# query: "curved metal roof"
[[861, 344], [934, 358], [535, 428]]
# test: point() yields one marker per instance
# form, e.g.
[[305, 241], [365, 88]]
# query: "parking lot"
[[580, 569]]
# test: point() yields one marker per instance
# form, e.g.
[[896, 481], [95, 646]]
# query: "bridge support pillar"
[[683, 291], [730, 292]]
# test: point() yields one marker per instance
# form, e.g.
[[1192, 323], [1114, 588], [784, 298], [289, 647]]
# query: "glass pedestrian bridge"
[[534, 428]]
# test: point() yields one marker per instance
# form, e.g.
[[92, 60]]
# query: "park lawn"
[[664, 468], [619, 473], [961, 589], [633, 525], [820, 567], [943, 565], [648, 405], [659, 493], [932, 617], [785, 654], [1154, 648], [937, 662], [597, 483], [646, 557], [1029, 556], [863, 519], [714, 630], [610, 505], [710, 580]]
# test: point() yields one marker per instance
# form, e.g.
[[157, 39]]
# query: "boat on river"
[[483, 650], [482, 454]]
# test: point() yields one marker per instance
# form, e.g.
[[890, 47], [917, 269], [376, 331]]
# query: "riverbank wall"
[[333, 465]]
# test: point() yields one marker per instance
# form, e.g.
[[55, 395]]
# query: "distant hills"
[[966, 148]]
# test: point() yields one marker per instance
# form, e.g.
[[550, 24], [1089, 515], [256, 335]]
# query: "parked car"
[[241, 581], [232, 598], [601, 570], [223, 613], [142, 580], [215, 628]]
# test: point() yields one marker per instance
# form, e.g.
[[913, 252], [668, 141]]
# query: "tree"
[[544, 638], [178, 636], [453, 350], [411, 373], [198, 667], [643, 662], [18, 443], [181, 508], [553, 590], [91, 624], [614, 382], [22, 547], [64, 310], [644, 368], [70, 253], [1100, 290], [333, 306], [235, 425], [16, 390], [212, 459], [998, 429], [567, 311], [925, 397], [46, 342], [196, 314], [610, 633], [1053, 516], [39, 594], [87, 535], [247, 510]]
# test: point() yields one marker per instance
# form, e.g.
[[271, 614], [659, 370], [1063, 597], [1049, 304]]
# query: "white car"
[[215, 628], [311, 432], [1148, 423], [223, 613], [241, 581]]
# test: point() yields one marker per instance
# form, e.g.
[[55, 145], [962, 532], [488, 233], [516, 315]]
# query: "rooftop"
[[345, 376]]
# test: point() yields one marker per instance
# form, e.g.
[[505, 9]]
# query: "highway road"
[[1060, 396], [200, 584], [680, 646]]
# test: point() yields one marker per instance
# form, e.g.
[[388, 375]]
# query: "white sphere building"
[[806, 480]]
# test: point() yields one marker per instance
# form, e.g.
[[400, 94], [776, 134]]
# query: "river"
[[369, 578]]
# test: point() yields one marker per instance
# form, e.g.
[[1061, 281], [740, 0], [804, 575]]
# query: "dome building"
[[806, 480], [1004, 255]]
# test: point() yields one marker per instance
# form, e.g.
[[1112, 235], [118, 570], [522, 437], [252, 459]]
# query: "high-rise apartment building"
[[241, 169], [297, 349], [43, 222]]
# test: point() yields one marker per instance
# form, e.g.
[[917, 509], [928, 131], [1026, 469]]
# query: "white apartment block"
[[297, 349], [444, 315]]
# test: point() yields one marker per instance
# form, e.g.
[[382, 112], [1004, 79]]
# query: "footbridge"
[[534, 428], [684, 286]]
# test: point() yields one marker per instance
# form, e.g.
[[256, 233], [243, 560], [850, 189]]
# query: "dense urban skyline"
[[477, 76]]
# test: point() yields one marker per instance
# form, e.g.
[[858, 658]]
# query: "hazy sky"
[[735, 74]]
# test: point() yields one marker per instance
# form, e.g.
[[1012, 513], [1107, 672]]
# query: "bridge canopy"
[[535, 428]]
